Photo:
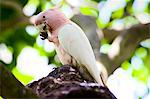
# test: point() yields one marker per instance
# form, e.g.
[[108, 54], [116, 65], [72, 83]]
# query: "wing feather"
[[75, 42]]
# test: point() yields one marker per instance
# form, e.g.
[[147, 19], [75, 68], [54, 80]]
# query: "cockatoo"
[[71, 43]]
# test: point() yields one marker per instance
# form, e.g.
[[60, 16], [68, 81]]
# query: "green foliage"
[[118, 14], [7, 13], [99, 0], [43, 52], [125, 65], [141, 52], [89, 11], [141, 74], [105, 48], [22, 2], [101, 24], [24, 78]]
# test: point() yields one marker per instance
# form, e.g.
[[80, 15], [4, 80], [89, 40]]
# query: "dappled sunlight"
[[67, 11], [140, 5], [137, 62], [105, 15], [106, 9], [31, 30], [124, 86], [31, 7], [30, 62], [39, 41], [115, 48], [146, 43], [124, 23], [141, 52], [48, 46], [113, 5], [144, 18], [75, 3], [120, 26], [105, 48], [56, 1], [5, 54]]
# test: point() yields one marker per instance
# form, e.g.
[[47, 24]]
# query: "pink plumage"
[[56, 19]]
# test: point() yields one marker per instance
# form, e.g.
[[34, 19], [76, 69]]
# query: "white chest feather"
[[65, 57], [75, 49], [73, 41]]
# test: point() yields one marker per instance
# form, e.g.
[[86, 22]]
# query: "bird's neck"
[[57, 25], [55, 29]]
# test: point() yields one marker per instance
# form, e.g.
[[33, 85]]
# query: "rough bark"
[[66, 82], [63, 82]]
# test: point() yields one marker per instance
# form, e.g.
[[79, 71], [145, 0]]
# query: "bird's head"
[[49, 21]]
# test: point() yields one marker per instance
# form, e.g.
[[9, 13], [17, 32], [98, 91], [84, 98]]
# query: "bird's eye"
[[43, 35]]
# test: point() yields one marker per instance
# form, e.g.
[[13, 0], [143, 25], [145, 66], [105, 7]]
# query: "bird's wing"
[[75, 42]]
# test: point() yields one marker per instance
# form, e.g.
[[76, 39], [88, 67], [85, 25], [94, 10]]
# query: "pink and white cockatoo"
[[72, 45]]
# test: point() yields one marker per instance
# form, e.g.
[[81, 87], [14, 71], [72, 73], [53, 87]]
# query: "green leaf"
[[141, 52], [125, 65], [89, 11], [98, 0], [104, 41], [101, 24], [35, 2], [127, 0], [25, 79], [141, 74], [118, 14], [145, 43], [130, 21], [105, 48], [46, 5]]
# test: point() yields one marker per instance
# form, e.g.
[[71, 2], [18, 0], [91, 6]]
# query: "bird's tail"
[[103, 73]]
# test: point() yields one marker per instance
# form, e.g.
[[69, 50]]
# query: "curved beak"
[[43, 35]]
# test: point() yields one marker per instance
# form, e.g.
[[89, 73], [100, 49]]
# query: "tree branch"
[[124, 45], [66, 82], [10, 87], [19, 20]]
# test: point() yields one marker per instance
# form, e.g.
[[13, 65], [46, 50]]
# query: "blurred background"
[[109, 25]]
